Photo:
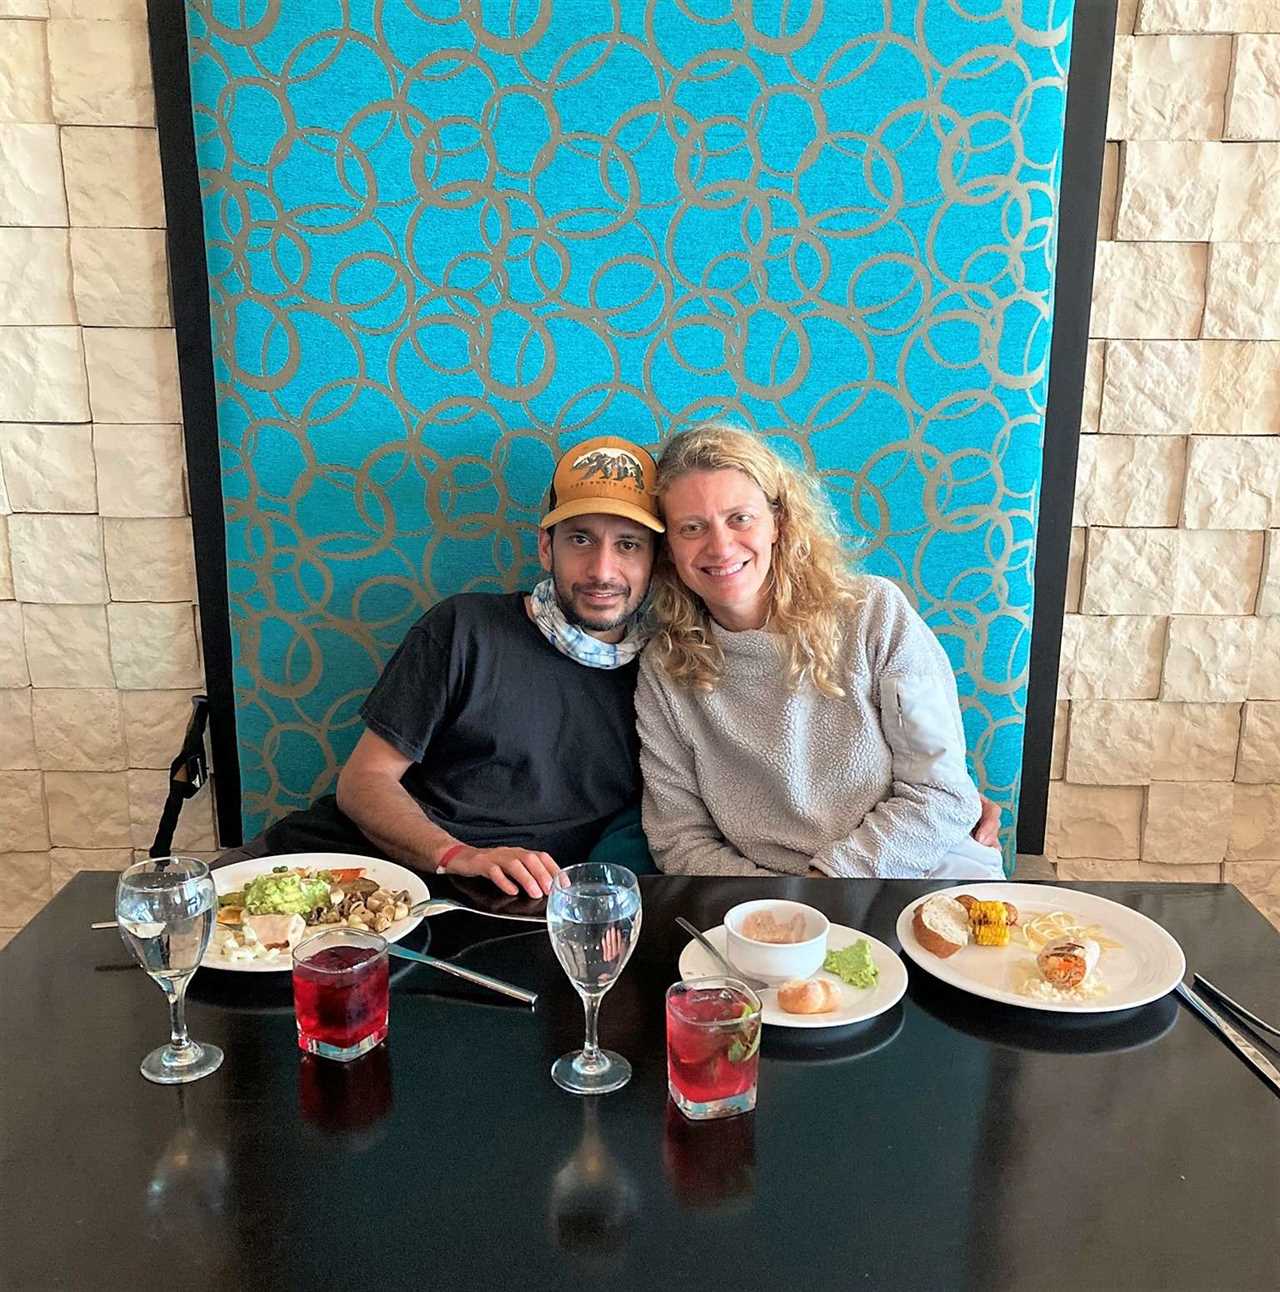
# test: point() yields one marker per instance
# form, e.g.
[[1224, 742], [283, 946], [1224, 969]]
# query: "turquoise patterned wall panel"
[[448, 239]]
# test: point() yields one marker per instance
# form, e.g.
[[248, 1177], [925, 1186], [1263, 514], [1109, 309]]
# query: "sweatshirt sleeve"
[[933, 803], [682, 836]]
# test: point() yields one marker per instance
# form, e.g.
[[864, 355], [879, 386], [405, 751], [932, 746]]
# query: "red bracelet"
[[443, 860]]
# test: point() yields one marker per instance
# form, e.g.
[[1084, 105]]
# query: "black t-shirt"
[[513, 743]]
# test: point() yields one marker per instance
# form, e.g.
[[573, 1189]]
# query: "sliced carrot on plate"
[[346, 876]]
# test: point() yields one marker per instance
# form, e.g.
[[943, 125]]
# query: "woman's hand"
[[987, 831]]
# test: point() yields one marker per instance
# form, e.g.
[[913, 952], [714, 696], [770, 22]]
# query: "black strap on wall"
[[187, 775]]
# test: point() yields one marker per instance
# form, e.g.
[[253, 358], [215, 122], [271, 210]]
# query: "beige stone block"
[[23, 827], [1090, 870], [1129, 571], [57, 559], [66, 863], [1150, 388], [1209, 658], [121, 277], [1269, 588], [17, 739], [1242, 296], [13, 652], [153, 646], [24, 8], [42, 375], [1208, 15], [1149, 290], [1099, 821], [1196, 742], [148, 790], [116, 10], [1091, 407], [1168, 191], [1187, 823], [24, 73], [88, 809], [1075, 569], [1118, 97], [100, 73], [6, 564], [1233, 482], [1109, 193], [1126, 17], [1033, 866], [1176, 87], [1255, 824], [1264, 681], [31, 188], [67, 645], [1153, 872], [1239, 388], [155, 723], [139, 470], [24, 885], [1260, 883], [1216, 571], [150, 560], [1111, 742], [113, 177], [1058, 759], [79, 730], [48, 468], [1111, 657], [1248, 205], [133, 375], [1260, 743], [1253, 108], [1130, 480], [35, 276]]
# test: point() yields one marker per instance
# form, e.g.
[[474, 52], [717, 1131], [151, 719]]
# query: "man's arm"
[[370, 793]]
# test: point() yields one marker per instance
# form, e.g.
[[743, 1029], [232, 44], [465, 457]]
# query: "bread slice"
[[941, 925]]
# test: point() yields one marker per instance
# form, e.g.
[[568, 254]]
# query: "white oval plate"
[[1145, 967], [860, 1003], [228, 879]]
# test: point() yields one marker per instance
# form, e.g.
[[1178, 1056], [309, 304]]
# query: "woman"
[[791, 714]]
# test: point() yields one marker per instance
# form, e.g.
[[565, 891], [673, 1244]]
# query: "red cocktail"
[[340, 993], [713, 1047]]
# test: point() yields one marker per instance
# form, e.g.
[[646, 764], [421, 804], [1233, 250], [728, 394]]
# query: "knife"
[[479, 979], [1238, 1041]]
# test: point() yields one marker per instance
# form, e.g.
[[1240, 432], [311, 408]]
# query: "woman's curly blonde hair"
[[811, 585]]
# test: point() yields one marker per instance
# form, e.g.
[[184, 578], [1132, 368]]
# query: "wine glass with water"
[[593, 917], [165, 907]]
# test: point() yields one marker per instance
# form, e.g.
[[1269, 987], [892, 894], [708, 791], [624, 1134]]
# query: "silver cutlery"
[[470, 975], [1261, 1024], [1234, 1037], [756, 984]]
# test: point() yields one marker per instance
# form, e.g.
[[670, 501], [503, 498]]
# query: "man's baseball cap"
[[606, 476]]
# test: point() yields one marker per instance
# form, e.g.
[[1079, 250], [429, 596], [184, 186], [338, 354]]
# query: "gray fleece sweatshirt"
[[753, 778]]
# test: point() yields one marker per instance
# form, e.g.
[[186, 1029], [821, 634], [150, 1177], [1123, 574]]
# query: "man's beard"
[[596, 623]]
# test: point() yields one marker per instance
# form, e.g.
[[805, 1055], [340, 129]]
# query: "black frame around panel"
[[1084, 135], [189, 289]]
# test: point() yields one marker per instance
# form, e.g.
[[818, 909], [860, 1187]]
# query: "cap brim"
[[602, 507]]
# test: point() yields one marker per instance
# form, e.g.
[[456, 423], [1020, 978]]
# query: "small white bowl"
[[776, 962]]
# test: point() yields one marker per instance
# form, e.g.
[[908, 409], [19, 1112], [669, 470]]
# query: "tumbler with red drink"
[[713, 1046], [340, 993]]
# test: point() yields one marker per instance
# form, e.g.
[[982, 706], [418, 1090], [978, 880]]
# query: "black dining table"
[[951, 1143]]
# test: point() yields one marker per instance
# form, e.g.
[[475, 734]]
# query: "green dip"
[[284, 893], [853, 964]]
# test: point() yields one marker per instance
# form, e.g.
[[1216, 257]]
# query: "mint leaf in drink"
[[747, 1042]]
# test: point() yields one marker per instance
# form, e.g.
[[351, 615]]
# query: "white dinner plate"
[[229, 879], [859, 1003], [1145, 967]]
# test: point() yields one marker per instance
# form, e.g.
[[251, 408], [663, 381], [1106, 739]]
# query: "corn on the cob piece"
[[988, 913], [991, 935]]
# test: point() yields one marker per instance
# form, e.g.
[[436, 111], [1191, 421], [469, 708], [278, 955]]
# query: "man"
[[500, 740]]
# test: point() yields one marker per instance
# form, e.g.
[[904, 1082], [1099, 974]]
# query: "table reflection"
[[593, 1201], [348, 1102]]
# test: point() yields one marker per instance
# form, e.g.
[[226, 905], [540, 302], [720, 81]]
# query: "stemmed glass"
[[593, 917], [164, 907]]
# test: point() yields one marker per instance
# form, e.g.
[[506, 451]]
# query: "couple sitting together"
[[774, 712]]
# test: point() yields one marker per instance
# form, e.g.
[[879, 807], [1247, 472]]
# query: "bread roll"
[[809, 996], [941, 925]]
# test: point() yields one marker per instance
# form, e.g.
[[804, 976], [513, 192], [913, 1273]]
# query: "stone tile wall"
[[98, 645], [1167, 758], [1168, 752]]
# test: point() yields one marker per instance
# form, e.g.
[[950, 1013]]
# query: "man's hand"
[[987, 831], [533, 871]]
